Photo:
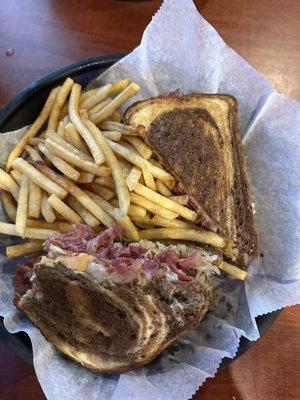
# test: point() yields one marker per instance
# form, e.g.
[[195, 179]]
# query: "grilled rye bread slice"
[[113, 305], [198, 139]]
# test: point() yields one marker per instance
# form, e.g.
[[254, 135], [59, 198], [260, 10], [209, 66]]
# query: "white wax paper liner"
[[181, 50]]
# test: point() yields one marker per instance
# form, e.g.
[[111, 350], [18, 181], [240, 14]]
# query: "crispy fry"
[[100, 106], [59, 163], [107, 111], [200, 235], [61, 131], [74, 138], [22, 208], [35, 141], [62, 208], [22, 249], [148, 177], [74, 159], [106, 181], [150, 194], [139, 161], [7, 183], [125, 223], [126, 130], [87, 177], [116, 116], [133, 211], [80, 126], [124, 164], [87, 217], [101, 190], [33, 153], [157, 220], [118, 86], [38, 178], [9, 205], [34, 200], [80, 195], [151, 206], [112, 162], [233, 270], [143, 149], [31, 233], [95, 98], [112, 135], [17, 175], [56, 225], [68, 146], [46, 209], [59, 103], [183, 199], [33, 130], [162, 188]]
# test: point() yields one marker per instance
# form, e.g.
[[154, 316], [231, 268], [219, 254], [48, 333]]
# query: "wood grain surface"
[[45, 35]]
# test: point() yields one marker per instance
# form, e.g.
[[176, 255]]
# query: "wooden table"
[[45, 35]]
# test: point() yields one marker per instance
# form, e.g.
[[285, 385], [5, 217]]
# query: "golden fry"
[[166, 202], [107, 111], [106, 181], [143, 149], [112, 135], [33, 153], [87, 217], [133, 178], [35, 141], [7, 183], [95, 98], [17, 175], [22, 249], [33, 130], [86, 177], [162, 188], [31, 233], [38, 178], [64, 210], [80, 195], [74, 138], [100, 190], [151, 206], [59, 163], [61, 131], [22, 208], [182, 199], [99, 106], [46, 209], [59, 103], [9, 205], [34, 200], [148, 177], [80, 126], [200, 235], [233, 270]]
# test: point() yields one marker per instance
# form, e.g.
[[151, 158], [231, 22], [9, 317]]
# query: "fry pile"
[[78, 163]]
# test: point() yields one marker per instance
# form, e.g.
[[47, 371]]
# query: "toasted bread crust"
[[203, 150]]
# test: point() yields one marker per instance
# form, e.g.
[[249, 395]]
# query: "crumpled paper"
[[179, 49]]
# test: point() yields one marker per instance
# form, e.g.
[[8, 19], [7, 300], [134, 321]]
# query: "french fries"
[[87, 177], [74, 159], [61, 131], [101, 190], [56, 225], [233, 270], [87, 217], [34, 200], [80, 195], [200, 235], [112, 162], [68, 146], [64, 210], [139, 161], [80, 126], [143, 149], [183, 199], [30, 233], [151, 206], [106, 181], [124, 129], [22, 249], [157, 220], [74, 138], [118, 86], [163, 189], [59, 103], [22, 208], [107, 111], [7, 183], [112, 135], [17, 175], [148, 177], [9, 205], [99, 106], [99, 95], [46, 209], [33, 153], [133, 211], [33, 130], [38, 178], [35, 141], [59, 163], [124, 222], [133, 178], [150, 194]]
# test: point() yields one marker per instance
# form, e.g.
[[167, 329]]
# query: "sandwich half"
[[197, 139], [113, 305]]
